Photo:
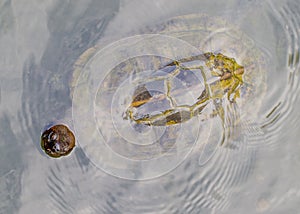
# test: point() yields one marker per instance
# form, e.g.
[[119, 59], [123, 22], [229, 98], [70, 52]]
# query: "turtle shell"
[[126, 74], [209, 35]]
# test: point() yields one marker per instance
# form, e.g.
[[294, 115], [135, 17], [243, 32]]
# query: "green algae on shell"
[[102, 93], [227, 75], [208, 34]]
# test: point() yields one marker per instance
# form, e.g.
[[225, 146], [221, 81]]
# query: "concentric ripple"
[[100, 99], [200, 162], [288, 16], [107, 81]]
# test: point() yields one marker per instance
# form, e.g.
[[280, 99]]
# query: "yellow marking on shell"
[[230, 73]]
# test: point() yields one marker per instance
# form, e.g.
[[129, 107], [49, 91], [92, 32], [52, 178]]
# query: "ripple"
[[210, 187], [207, 177], [121, 149], [205, 180], [99, 88], [45, 101], [281, 113]]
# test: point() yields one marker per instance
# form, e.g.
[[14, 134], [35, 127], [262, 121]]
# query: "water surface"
[[39, 44]]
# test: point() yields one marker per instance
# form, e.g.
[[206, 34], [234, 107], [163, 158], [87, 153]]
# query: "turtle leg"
[[206, 85], [219, 111], [233, 90]]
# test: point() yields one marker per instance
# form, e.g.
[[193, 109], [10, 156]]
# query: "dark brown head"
[[57, 141]]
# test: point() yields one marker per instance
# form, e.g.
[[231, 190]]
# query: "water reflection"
[[252, 172]]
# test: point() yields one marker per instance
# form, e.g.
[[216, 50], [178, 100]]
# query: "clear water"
[[40, 42]]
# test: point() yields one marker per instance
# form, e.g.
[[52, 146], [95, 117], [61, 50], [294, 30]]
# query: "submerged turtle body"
[[212, 36], [224, 79], [146, 98]]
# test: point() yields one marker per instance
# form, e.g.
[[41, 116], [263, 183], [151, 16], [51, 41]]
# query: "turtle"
[[221, 45], [145, 105]]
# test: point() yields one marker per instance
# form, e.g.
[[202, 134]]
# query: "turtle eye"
[[52, 136]]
